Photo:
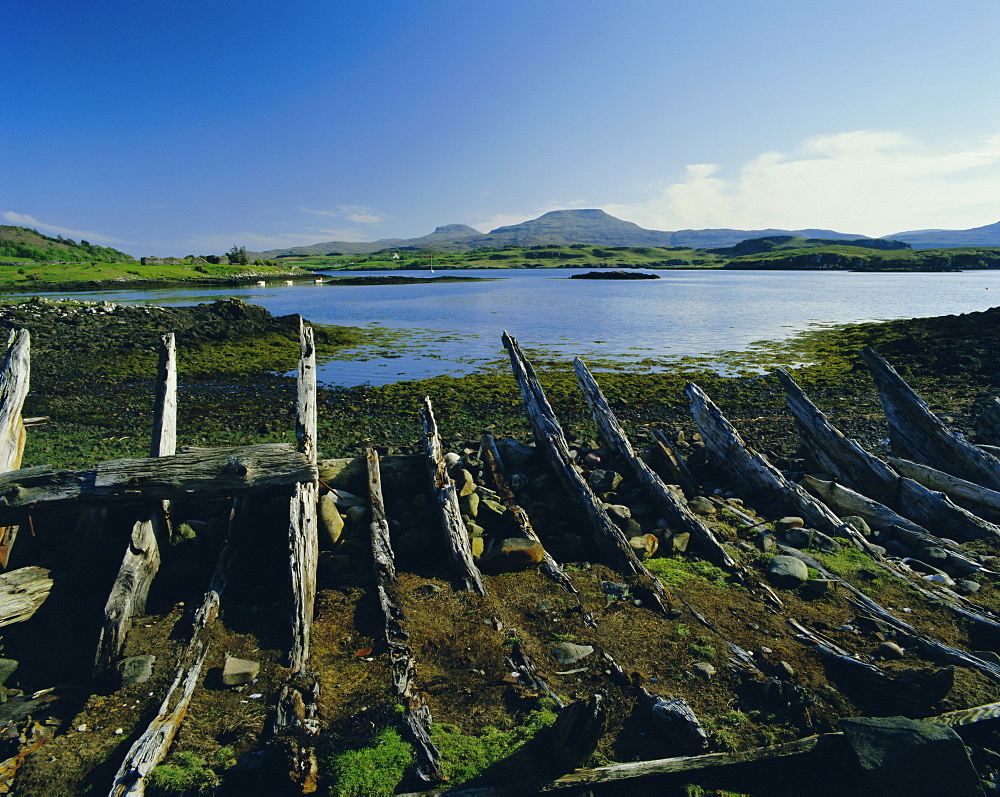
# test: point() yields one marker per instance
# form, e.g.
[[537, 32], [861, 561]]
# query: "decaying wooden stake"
[[552, 442], [675, 509], [152, 746], [297, 718], [417, 714], [14, 383], [142, 557], [446, 497]]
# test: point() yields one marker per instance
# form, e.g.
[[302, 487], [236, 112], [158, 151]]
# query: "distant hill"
[[988, 235], [559, 227], [30, 244]]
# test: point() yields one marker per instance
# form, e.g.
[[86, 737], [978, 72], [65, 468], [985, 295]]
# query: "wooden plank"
[[153, 744], [208, 472], [416, 713], [979, 500], [917, 433], [621, 773], [675, 464], [15, 381], [141, 561], [675, 510], [551, 441], [850, 463], [164, 439], [304, 556], [449, 513], [22, 591], [731, 455], [128, 595], [305, 408]]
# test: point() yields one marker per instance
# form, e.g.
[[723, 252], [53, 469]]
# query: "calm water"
[[455, 328]]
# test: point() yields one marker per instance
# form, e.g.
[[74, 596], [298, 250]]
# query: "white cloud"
[[865, 181], [356, 213], [24, 220]]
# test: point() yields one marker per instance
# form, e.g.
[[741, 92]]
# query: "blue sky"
[[179, 126]]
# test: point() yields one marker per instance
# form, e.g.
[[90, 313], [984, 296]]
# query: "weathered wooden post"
[[552, 442], [674, 508], [417, 714], [142, 558], [446, 498], [296, 721], [14, 383]]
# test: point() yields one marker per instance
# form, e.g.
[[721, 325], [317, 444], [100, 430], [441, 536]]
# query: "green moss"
[[464, 756], [375, 770], [187, 774], [675, 572]]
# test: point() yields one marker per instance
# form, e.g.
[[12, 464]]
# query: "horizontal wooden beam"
[[205, 472]]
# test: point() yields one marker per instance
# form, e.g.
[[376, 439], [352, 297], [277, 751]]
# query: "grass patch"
[[465, 756], [675, 572], [372, 771]]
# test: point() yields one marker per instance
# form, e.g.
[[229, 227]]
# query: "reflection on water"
[[419, 331]]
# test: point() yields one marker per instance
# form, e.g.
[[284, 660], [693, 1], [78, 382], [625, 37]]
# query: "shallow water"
[[454, 328]]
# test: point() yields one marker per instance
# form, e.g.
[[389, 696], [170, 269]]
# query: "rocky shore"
[[92, 367]]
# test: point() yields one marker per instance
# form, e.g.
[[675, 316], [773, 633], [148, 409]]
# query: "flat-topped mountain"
[[561, 227]]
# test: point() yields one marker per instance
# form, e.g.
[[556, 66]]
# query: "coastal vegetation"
[[775, 253]]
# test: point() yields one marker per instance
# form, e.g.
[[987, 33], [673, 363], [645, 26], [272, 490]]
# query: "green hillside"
[[23, 244], [548, 256]]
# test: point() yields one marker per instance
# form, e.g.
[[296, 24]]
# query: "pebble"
[[890, 650], [704, 670]]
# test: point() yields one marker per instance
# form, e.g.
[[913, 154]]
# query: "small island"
[[614, 275]]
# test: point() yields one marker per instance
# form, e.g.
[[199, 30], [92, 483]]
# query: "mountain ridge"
[[578, 226]]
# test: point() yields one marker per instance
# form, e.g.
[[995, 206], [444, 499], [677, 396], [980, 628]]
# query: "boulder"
[[787, 572], [237, 672], [330, 518], [570, 653], [903, 756], [784, 524], [701, 506], [644, 545], [860, 525], [136, 669], [518, 552], [604, 481]]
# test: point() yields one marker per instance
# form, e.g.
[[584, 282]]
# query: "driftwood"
[[932, 647], [674, 508], [164, 439], [908, 689], [918, 434], [14, 383], [22, 591], [849, 462], [446, 497], [549, 566], [978, 500], [417, 714], [621, 773], [154, 743], [551, 440], [731, 455], [847, 502], [674, 463], [128, 596], [210, 472]]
